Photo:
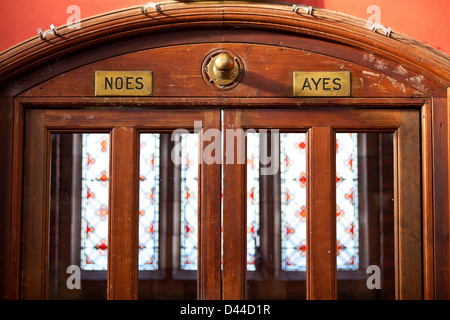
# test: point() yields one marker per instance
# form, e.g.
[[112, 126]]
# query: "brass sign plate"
[[123, 83], [322, 84]]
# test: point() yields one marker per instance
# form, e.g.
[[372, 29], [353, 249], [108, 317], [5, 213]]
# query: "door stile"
[[17, 202], [427, 202], [441, 189], [36, 188], [209, 232], [321, 275], [123, 216], [408, 208], [234, 211]]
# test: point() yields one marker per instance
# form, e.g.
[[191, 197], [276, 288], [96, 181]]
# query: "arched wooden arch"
[[392, 70]]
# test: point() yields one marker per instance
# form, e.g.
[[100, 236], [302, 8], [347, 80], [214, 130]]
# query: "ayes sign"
[[322, 84]]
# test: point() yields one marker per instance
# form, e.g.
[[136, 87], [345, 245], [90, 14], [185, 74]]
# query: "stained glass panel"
[[252, 199], [293, 201], [189, 201], [94, 203], [95, 180], [149, 175], [347, 201]]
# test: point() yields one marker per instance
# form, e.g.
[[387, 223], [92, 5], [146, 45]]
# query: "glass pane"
[[365, 215], [79, 216], [252, 199], [149, 202], [94, 206], [293, 201], [276, 206], [168, 195], [347, 201], [189, 201]]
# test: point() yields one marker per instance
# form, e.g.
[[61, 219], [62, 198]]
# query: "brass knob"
[[223, 66], [223, 69]]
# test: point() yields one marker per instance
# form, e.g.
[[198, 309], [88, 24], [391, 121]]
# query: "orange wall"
[[424, 20]]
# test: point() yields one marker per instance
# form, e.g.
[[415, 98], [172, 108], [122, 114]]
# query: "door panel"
[[124, 128], [321, 127]]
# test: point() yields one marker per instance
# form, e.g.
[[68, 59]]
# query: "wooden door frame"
[[124, 127], [404, 60]]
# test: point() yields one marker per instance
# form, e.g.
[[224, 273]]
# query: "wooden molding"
[[178, 16]]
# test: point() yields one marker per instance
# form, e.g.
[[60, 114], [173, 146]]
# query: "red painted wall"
[[424, 20]]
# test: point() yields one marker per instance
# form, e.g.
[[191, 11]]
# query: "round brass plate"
[[222, 69]]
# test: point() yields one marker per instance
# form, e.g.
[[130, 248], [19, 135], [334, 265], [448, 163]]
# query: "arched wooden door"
[[291, 76]]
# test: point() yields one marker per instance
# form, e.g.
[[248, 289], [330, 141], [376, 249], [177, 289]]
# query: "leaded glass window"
[[189, 201], [94, 216], [293, 179], [347, 201], [149, 177], [94, 203], [293, 201], [252, 199]]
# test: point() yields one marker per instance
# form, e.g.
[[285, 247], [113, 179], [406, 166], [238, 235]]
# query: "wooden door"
[[213, 282], [124, 128], [321, 127]]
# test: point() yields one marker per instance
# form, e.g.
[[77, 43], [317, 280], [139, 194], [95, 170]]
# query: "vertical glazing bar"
[[321, 217], [123, 220], [234, 211], [209, 260]]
